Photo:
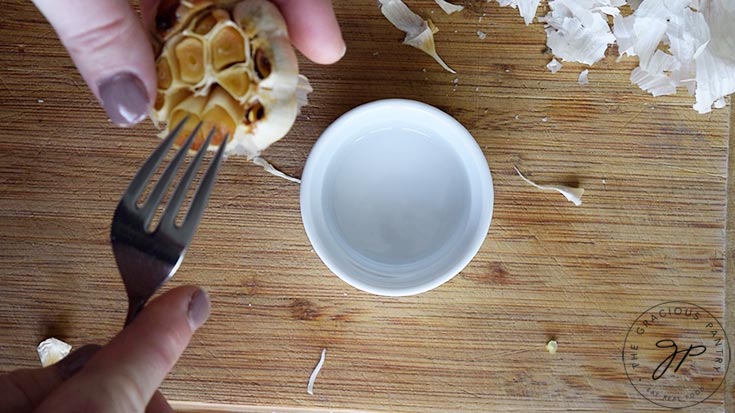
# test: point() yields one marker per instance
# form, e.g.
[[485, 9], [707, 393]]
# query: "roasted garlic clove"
[[237, 81], [189, 54]]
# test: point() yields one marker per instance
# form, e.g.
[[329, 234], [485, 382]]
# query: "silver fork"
[[147, 259]]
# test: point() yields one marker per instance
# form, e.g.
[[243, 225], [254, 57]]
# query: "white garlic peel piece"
[[303, 88], [573, 195], [680, 43], [258, 160], [302, 99], [419, 32], [554, 66], [527, 8], [448, 7], [552, 346], [578, 31], [584, 77], [52, 350], [698, 53], [312, 378]]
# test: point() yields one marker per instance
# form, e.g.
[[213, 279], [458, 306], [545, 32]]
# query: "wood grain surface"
[[652, 229]]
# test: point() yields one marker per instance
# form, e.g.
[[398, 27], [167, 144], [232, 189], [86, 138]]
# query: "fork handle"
[[134, 308]]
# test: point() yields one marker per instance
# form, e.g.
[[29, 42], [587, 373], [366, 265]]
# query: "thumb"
[[124, 375], [23, 390], [111, 50]]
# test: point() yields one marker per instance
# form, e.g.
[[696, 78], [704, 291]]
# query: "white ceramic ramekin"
[[396, 197]]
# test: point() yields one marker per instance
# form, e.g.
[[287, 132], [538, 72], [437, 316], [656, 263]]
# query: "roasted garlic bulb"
[[229, 64]]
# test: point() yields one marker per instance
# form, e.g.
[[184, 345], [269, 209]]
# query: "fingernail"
[[198, 309], [125, 99], [75, 361]]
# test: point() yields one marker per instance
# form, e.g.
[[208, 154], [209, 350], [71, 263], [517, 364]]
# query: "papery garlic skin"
[[52, 350], [573, 195], [584, 77], [315, 373], [419, 32], [554, 66], [679, 43], [448, 7], [527, 8], [577, 31]]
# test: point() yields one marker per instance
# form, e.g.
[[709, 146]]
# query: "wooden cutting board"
[[652, 229]]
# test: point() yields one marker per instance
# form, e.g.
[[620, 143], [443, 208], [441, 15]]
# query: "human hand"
[[121, 377], [111, 49]]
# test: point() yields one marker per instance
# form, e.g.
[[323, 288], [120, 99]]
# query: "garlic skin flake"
[[716, 64], [419, 32], [448, 7], [552, 346], [303, 88], [573, 195], [52, 350], [527, 8], [260, 161], [312, 378], [679, 43], [577, 30], [699, 48], [584, 77], [554, 66]]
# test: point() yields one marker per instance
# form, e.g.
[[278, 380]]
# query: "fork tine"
[[201, 196], [150, 206], [174, 204], [137, 185]]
